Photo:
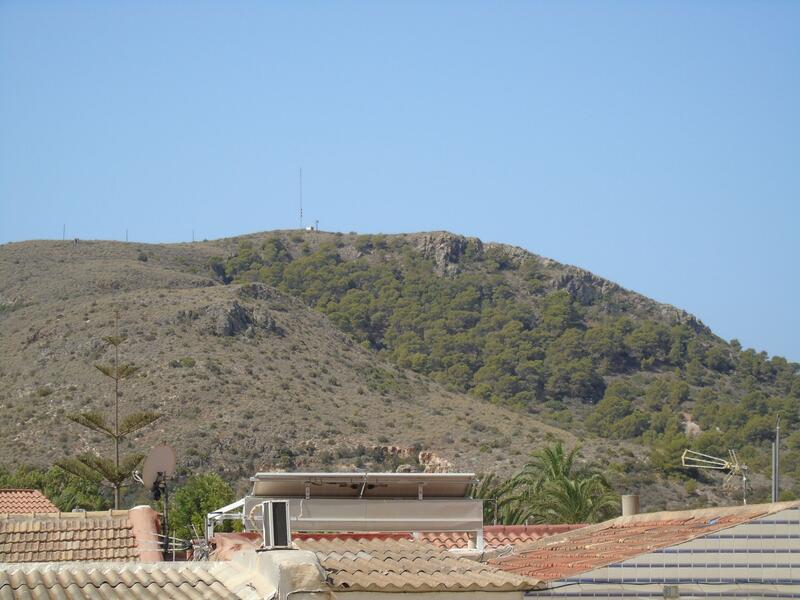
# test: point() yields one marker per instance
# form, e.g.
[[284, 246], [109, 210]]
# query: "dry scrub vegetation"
[[247, 377]]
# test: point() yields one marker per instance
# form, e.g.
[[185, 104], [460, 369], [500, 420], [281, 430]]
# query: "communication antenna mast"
[[732, 466], [301, 197]]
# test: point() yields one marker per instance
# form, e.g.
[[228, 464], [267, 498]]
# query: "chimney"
[[630, 505]]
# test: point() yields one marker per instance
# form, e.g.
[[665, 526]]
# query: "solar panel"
[[362, 485]]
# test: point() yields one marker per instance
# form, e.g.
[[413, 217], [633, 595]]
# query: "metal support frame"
[[224, 514], [353, 502]]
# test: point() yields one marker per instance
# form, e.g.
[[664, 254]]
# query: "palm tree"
[[498, 505], [489, 490], [549, 489], [576, 500]]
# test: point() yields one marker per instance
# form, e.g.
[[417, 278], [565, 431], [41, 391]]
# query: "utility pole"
[[64, 232], [776, 462], [126, 236]]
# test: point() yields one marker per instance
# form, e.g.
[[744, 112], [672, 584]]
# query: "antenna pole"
[[744, 486], [301, 197], [166, 515], [776, 462]]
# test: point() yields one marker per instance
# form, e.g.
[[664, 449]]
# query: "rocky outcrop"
[[258, 291], [349, 253], [681, 317], [230, 320], [237, 319], [429, 462], [433, 463], [219, 272], [446, 250], [587, 288], [690, 427], [668, 313], [513, 255], [583, 286]]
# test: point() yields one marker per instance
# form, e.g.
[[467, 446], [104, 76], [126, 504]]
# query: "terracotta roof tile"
[[402, 565], [17, 501], [89, 536], [610, 542], [497, 536], [120, 580]]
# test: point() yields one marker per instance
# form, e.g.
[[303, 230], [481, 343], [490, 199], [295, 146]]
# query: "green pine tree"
[[110, 472]]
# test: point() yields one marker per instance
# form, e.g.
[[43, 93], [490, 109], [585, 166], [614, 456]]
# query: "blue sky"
[[654, 143]]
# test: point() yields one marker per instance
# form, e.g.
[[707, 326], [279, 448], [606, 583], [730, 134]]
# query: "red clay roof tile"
[[599, 545], [92, 536], [497, 536], [18, 501]]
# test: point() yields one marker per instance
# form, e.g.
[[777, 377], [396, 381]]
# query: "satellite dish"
[[160, 460]]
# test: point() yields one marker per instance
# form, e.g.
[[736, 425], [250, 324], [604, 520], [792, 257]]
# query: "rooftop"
[[389, 563], [16, 501], [619, 539], [118, 535], [189, 581], [497, 536], [398, 565]]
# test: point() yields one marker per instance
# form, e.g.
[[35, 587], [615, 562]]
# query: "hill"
[[310, 349]]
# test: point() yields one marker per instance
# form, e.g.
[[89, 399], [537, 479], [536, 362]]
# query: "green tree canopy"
[[200, 495], [551, 488], [65, 490]]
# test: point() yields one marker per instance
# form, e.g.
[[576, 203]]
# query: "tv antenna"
[[732, 466], [158, 467]]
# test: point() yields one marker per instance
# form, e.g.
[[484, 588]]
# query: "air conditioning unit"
[[275, 529]]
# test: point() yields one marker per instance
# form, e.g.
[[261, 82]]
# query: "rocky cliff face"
[[584, 286], [446, 250], [246, 315]]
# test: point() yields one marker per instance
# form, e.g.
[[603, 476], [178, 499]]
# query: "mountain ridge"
[[480, 326]]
